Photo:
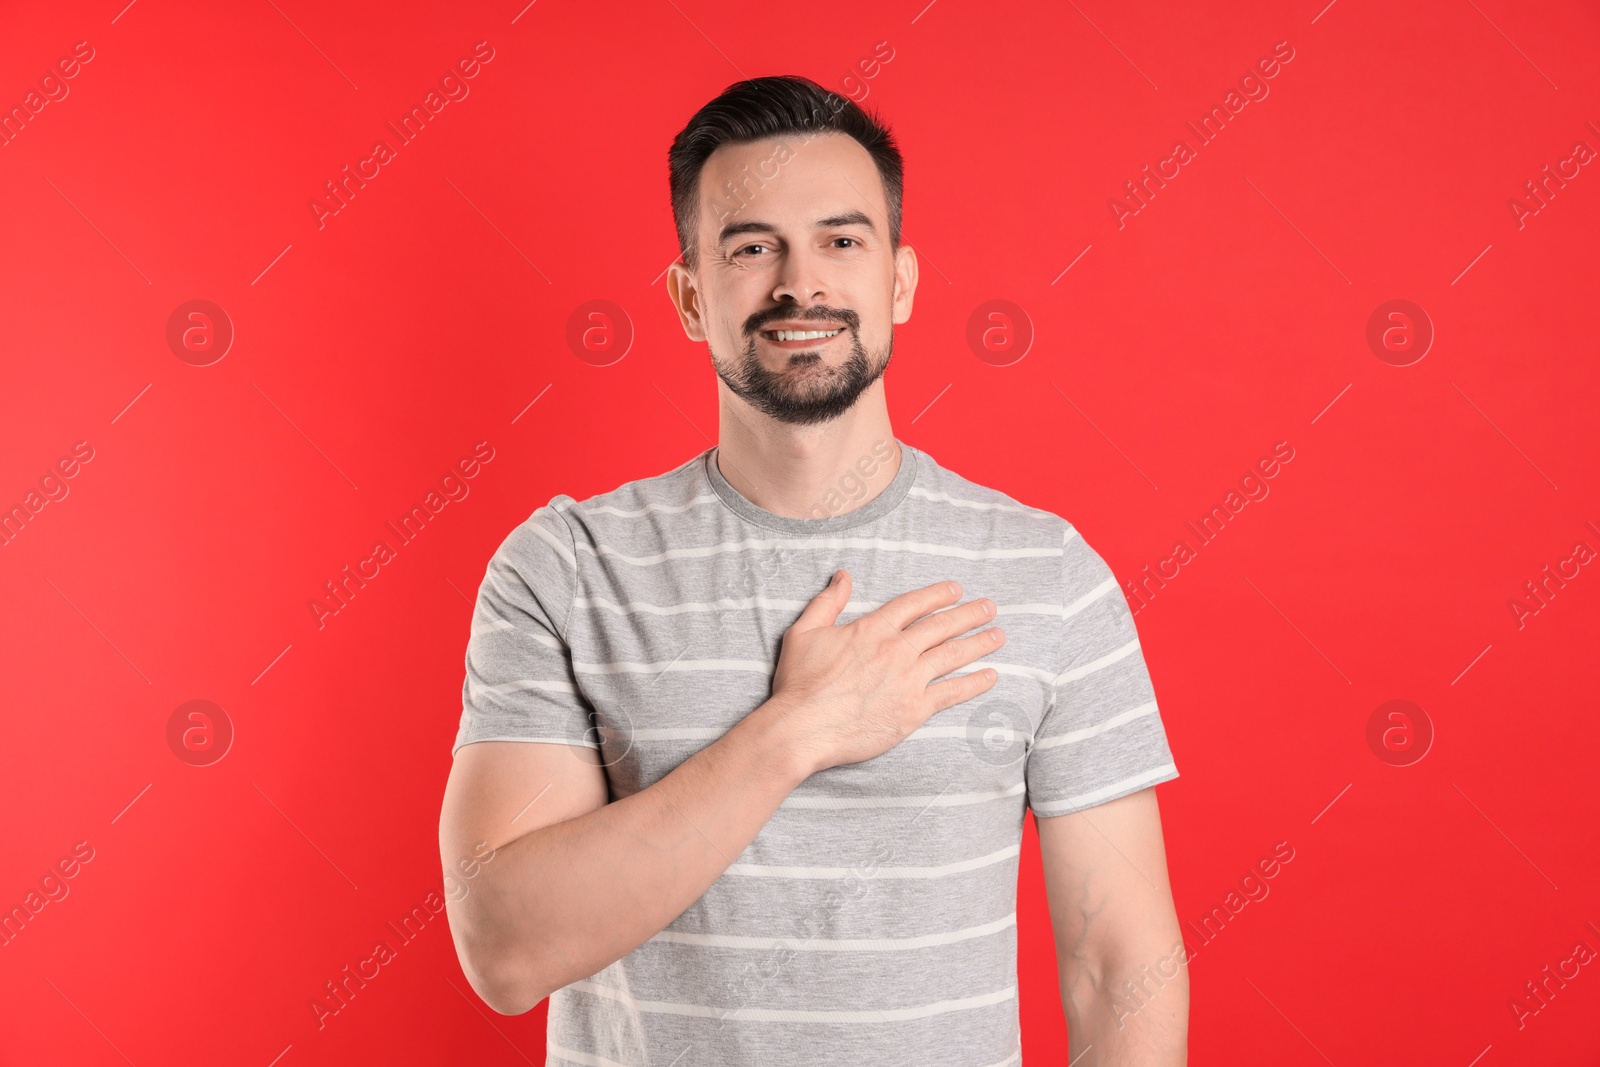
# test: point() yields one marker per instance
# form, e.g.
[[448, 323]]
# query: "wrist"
[[784, 741]]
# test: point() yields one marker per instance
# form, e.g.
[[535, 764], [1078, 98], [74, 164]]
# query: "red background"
[[371, 353]]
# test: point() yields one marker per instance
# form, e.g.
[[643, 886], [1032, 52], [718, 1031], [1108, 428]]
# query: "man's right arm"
[[576, 883]]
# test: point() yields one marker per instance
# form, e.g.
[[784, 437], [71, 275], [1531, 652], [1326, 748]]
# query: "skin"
[[1120, 960], [575, 881], [791, 423]]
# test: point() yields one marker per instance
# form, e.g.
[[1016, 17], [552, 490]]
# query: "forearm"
[[561, 903], [1132, 1011]]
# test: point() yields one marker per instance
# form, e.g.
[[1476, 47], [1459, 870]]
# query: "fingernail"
[[835, 579]]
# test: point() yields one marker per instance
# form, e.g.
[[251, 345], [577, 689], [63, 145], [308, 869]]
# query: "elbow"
[[512, 998], [508, 990], [505, 981]]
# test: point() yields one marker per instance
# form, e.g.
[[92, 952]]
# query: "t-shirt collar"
[[875, 508]]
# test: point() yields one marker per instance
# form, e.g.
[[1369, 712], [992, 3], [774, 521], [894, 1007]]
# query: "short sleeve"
[[519, 682], [1101, 736]]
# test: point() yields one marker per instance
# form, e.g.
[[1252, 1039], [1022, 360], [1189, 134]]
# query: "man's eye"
[[852, 240], [747, 248]]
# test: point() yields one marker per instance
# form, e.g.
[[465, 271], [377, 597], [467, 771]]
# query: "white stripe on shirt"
[[1052, 807], [759, 870], [1095, 664], [555, 542], [1147, 708], [938, 800], [858, 944], [785, 1015], [876, 544]]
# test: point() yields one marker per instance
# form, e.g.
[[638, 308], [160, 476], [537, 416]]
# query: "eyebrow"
[[849, 218]]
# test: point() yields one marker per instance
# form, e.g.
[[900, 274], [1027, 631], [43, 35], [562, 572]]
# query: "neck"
[[808, 471]]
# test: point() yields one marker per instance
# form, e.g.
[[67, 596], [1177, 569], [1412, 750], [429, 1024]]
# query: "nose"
[[800, 279]]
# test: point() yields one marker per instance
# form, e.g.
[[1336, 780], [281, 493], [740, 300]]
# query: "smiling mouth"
[[800, 335]]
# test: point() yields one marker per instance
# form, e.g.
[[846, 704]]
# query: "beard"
[[806, 391]]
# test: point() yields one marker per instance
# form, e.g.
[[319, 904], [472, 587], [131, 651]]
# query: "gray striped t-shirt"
[[873, 919]]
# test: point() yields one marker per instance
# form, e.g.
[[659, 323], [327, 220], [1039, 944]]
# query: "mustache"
[[758, 322]]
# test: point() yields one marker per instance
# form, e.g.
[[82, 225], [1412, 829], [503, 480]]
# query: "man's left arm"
[[1119, 951]]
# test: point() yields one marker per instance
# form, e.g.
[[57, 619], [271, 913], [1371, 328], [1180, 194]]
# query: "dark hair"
[[762, 108]]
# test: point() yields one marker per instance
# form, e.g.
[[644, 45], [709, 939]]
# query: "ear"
[[905, 282], [686, 298]]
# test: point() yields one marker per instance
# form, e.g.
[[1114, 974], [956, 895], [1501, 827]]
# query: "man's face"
[[795, 237]]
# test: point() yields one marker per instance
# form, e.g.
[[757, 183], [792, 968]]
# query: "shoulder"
[[567, 525], [990, 516], [951, 497]]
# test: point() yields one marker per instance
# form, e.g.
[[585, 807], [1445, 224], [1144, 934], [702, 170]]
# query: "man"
[[765, 819]]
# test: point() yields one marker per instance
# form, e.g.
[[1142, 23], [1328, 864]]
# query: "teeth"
[[801, 335]]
